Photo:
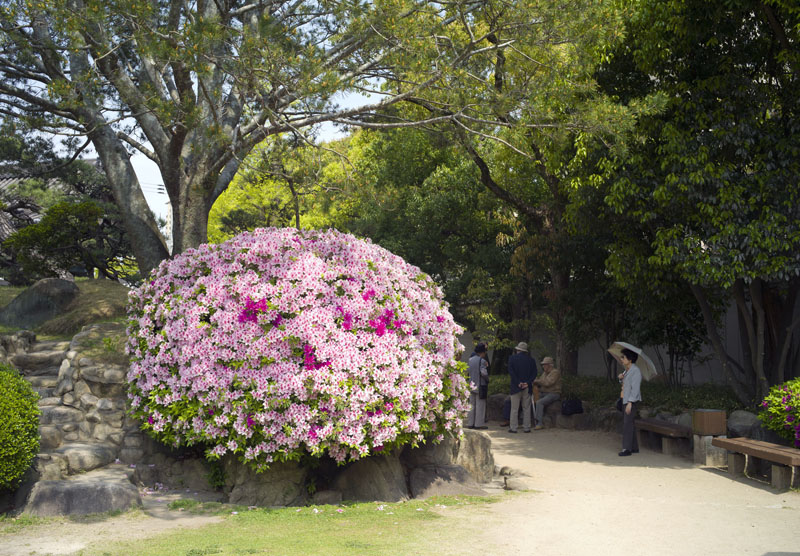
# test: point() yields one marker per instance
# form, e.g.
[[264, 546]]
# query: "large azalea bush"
[[279, 343]]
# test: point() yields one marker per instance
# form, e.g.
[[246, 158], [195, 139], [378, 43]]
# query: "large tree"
[[714, 187], [196, 85]]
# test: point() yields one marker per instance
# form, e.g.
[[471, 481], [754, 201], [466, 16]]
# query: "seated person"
[[549, 384]]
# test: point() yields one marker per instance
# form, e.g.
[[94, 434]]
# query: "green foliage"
[[19, 427], [216, 474], [780, 410], [73, 234], [601, 392]]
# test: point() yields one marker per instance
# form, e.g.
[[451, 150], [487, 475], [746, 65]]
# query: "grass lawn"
[[416, 527]]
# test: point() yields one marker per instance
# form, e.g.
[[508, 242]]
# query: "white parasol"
[[644, 363]]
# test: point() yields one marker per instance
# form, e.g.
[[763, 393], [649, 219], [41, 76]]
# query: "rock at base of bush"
[[373, 479], [283, 484], [442, 480], [475, 455]]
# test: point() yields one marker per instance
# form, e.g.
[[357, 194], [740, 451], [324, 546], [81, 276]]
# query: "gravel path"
[[590, 501]]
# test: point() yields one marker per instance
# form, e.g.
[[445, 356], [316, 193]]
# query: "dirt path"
[[589, 501]]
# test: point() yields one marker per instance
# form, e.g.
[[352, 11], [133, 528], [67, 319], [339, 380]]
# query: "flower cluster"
[[281, 342], [780, 410]]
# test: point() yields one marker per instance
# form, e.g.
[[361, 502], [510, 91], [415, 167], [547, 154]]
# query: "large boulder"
[[442, 480], [746, 424], [283, 484], [377, 478], [475, 455], [443, 453], [42, 301], [103, 490]]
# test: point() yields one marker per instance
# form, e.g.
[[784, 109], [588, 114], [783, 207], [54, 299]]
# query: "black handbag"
[[620, 406], [571, 407], [483, 391]]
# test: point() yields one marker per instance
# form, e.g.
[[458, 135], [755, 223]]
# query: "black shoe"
[[634, 451], [480, 428], [527, 430], [624, 453], [509, 430]]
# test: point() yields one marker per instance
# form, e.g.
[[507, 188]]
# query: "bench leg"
[[795, 477], [670, 446], [736, 463], [781, 477]]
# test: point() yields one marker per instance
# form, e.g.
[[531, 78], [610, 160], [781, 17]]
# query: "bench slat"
[[664, 428], [760, 449]]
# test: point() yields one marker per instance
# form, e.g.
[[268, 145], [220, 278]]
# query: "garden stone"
[[85, 457], [131, 455], [442, 480], [59, 415], [64, 385], [684, 419], [50, 467], [50, 437], [103, 490], [475, 455], [88, 401], [373, 478], [69, 399], [42, 301], [326, 497], [443, 453], [746, 424], [283, 484]]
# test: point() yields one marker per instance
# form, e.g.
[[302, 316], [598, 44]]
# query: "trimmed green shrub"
[[780, 410], [19, 427]]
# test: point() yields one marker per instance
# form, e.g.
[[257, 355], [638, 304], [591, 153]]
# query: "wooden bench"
[[785, 471], [670, 438]]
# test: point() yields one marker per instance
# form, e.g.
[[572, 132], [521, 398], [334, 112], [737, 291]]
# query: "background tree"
[[714, 185]]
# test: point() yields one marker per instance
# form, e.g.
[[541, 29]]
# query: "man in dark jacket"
[[522, 371]]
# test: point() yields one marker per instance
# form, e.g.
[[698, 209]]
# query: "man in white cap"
[[522, 372], [549, 384]]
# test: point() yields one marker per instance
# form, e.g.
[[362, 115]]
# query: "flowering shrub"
[[278, 343], [780, 410]]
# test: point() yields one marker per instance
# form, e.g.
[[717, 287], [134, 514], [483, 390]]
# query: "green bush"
[[600, 392], [19, 427], [780, 410]]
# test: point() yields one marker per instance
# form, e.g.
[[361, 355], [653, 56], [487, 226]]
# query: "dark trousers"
[[629, 440]]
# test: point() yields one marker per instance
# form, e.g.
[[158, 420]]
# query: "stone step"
[[102, 490], [60, 414], [36, 362], [49, 401], [44, 391], [51, 345], [83, 456], [42, 381]]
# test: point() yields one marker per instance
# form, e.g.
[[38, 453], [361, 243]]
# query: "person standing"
[[479, 376], [549, 387], [522, 372], [631, 396]]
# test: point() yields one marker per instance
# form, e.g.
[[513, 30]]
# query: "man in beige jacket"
[[549, 384]]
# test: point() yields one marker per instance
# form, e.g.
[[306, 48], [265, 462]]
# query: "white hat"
[[522, 346]]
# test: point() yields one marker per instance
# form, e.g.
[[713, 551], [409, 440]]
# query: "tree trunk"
[[140, 224], [742, 392], [190, 215]]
